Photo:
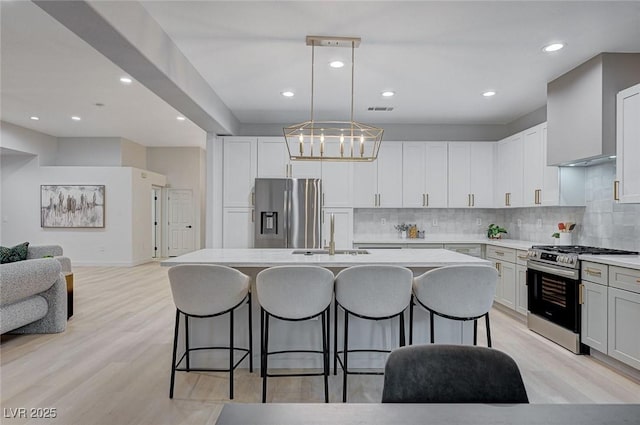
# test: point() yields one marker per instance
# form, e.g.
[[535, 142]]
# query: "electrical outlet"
[[519, 223], [478, 221], [539, 223], [434, 223], [383, 221]]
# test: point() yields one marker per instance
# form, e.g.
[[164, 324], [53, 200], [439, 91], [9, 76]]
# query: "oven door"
[[553, 294]]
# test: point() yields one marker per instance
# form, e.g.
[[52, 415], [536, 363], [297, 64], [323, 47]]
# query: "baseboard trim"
[[109, 263], [616, 365]]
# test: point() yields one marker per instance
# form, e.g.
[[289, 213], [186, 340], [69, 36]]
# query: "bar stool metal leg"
[[266, 357], [250, 335], [345, 354], [475, 331], [325, 357], [261, 342], [231, 355], [432, 327], [335, 337], [186, 341], [175, 353], [402, 336], [411, 321], [488, 331]]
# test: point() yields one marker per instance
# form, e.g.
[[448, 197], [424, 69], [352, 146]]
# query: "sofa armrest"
[[56, 319], [23, 279], [40, 251], [65, 263]]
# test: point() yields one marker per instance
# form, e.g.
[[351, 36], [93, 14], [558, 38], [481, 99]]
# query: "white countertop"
[[450, 239], [279, 257], [629, 261]]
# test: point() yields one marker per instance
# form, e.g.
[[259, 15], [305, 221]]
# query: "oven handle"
[[572, 274]]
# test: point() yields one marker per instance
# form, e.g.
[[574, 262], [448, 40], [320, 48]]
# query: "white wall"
[[20, 139], [132, 154], [89, 151]]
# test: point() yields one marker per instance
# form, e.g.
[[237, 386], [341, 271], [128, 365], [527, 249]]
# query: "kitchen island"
[[304, 335]]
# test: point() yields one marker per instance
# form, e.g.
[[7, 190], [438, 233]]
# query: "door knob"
[[188, 227]]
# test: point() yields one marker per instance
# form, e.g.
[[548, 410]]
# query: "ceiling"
[[439, 57]]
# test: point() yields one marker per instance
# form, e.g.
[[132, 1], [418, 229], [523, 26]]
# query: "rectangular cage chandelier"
[[333, 140]]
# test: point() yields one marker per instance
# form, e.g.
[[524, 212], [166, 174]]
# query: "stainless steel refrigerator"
[[288, 213]]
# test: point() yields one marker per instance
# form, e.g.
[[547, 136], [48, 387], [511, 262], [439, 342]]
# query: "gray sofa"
[[33, 293]]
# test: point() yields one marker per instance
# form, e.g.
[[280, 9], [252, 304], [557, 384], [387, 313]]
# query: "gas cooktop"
[[579, 249]]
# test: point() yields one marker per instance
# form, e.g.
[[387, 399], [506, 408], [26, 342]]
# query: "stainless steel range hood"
[[581, 116]]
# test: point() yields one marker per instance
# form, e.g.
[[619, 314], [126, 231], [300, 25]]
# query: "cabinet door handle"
[[499, 253], [522, 257], [468, 199], [581, 294], [427, 204], [423, 199], [323, 201], [506, 199], [593, 272], [473, 199], [253, 198], [509, 198], [379, 199], [253, 216], [616, 190], [498, 269]]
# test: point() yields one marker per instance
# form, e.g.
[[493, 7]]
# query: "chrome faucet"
[[332, 242]]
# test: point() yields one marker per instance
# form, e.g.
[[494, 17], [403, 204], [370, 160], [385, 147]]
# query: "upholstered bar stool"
[[458, 293], [202, 291], [373, 292], [294, 293]]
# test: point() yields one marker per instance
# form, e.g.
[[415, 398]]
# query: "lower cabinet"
[[475, 250], [237, 228], [624, 318], [594, 316], [504, 260], [521, 289]]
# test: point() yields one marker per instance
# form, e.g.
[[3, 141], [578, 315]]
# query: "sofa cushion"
[[23, 279], [15, 253], [23, 312]]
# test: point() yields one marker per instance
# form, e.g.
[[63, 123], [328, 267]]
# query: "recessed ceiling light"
[[180, 118], [287, 93], [388, 93], [126, 80], [336, 64], [554, 47], [76, 118], [489, 93], [35, 118]]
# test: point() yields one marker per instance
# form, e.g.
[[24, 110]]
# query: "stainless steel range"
[[555, 293]]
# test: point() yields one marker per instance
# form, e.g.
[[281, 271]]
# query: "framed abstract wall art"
[[79, 206]]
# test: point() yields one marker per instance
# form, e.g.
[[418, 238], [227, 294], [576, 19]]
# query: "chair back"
[[452, 374], [294, 292], [205, 290], [457, 291], [374, 290]]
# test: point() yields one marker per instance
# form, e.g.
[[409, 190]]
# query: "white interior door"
[[156, 217], [180, 222]]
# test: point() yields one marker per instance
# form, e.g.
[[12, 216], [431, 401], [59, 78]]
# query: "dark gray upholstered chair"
[[452, 374]]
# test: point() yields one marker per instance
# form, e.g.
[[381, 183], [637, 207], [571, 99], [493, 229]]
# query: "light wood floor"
[[112, 364]]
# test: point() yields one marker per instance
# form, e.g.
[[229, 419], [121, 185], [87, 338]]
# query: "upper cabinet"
[[379, 183], [239, 171], [424, 174], [337, 182], [508, 172], [470, 182], [627, 184], [273, 161]]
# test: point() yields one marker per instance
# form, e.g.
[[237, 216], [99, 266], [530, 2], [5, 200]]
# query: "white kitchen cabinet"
[[470, 174], [504, 260], [594, 315], [379, 183], [473, 249], [424, 174], [548, 185], [508, 172], [627, 184], [337, 182], [273, 161], [522, 294], [343, 227], [624, 317], [239, 171], [238, 227]]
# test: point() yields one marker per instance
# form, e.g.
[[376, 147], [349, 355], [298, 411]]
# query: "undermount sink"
[[326, 251]]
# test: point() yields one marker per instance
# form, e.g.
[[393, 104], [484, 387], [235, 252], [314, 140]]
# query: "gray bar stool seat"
[[294, 293], [458, 293], [202, 291], [372, 292]]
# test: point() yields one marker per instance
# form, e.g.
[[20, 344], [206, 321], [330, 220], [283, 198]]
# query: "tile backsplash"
[[602, 222]]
